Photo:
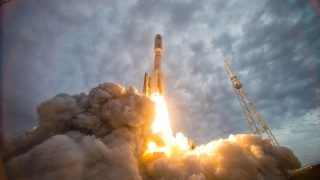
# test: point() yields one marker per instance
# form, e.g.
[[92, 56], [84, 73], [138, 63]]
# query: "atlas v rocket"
[[154, 84]]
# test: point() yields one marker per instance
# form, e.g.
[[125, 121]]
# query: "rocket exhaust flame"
[[161, 124], [161, 127]]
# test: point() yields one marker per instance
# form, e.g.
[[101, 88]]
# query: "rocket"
[[154, 84]]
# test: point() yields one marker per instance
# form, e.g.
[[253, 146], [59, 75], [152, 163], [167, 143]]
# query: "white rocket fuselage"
[[155, 83]]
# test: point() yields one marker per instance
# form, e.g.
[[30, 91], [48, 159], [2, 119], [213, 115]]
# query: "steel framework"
[[253, 117]]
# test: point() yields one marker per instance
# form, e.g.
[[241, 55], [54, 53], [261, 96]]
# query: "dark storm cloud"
[[273, 47], [274, 53]]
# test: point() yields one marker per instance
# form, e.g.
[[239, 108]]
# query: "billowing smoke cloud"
[[104, 134]]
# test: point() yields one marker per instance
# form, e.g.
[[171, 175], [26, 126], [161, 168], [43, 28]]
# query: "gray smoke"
[[103, 135]]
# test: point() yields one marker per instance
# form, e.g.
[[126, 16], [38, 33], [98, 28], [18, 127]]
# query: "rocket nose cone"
[[158, 42]]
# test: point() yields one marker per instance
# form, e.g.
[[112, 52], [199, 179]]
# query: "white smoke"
[[104, 134], [240, 156]]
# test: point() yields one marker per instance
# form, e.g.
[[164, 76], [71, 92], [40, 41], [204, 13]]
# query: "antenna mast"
[[257, 124]]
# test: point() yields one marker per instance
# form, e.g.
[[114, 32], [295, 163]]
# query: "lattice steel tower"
[[256, 123]]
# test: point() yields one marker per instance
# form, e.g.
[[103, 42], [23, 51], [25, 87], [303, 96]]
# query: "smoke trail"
[[104, 134]]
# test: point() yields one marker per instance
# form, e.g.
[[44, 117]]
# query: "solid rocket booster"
[[155, 83]]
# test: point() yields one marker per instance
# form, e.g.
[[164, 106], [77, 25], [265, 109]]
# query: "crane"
[[253, 117]]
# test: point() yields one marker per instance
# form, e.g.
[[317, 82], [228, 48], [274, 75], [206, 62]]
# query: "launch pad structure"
[[253, 117]]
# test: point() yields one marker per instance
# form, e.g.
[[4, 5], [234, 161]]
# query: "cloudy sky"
[[56, 46]]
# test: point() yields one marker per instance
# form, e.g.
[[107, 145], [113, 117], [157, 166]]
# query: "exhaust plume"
[[104, 135]]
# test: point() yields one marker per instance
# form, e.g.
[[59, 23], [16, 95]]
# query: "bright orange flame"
[[161, 123], [161, 127]]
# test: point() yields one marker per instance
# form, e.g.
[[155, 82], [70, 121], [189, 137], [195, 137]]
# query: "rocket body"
[[154, 84]]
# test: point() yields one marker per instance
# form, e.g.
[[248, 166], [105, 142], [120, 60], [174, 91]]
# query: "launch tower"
[[256, 123]]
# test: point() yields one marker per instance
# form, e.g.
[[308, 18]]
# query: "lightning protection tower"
[[257, 124]]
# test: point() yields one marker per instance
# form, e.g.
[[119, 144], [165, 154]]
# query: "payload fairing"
[[155, 83]]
